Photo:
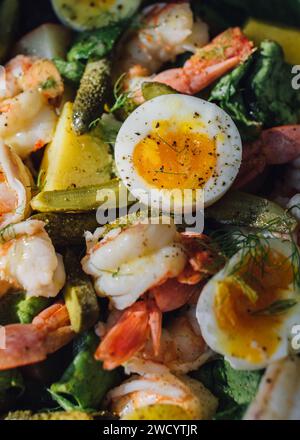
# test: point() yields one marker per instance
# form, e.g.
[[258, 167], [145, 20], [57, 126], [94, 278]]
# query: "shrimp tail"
[[126, 337], [155, 324]]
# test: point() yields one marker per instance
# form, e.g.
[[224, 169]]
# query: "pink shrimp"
[[182, 347], [31, 73], [27, 344], [276, 146], [28, 115], [130, 334], [166, 30], [209, 63]]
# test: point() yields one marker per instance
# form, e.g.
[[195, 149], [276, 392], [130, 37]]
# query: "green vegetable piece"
[[9, 13], [95, 44], [92, 94], [235, 389], [11, 388], [91, 45], [68, 229], [79, 199], [228, 94], [241, 385], [70, 70], [246, 210], [107, 128], [17, 308], [151, 90], [84, 383], [258, 93], [59, 415], [236, 412], [30, 307], [80, 296], [273, 101]]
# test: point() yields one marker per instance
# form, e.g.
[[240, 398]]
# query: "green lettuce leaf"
[[235, 389], [85, 383], [258, 94]]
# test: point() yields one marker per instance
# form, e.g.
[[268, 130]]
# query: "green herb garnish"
[[276, 308], [120, 96], [49, 84]]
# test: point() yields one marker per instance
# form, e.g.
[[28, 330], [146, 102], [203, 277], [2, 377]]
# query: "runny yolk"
[[175, 155], [248, 332]]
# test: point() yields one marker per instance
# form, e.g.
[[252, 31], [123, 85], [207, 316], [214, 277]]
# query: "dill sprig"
[[120, 96], [254, 248], [276, 308], [94, 124]]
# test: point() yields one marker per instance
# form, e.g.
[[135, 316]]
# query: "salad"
[[149, 210]]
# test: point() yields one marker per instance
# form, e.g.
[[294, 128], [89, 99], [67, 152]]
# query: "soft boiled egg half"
[[178, 142], [248, 310]]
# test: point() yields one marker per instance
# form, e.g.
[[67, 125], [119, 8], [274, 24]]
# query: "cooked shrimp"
[[28, 260], [182, 348], [27, 344], [211, 62], [166, 31], [27, 122], [138, 334], [128, 262], [31, 73], [162, 387], [208, 64], [15, 187], [27, 117], [130, 334]]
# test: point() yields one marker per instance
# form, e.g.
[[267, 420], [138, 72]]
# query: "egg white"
[[213, 334], [214, 122]]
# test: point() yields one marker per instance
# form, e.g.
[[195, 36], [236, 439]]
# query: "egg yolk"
[[248, 332], [175, 155]]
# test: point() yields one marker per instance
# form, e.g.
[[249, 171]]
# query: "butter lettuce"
[[258, 94], [235, 389]]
